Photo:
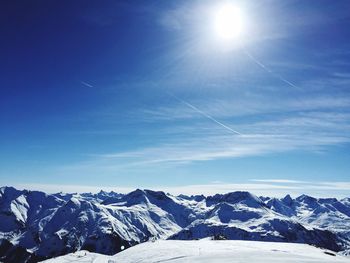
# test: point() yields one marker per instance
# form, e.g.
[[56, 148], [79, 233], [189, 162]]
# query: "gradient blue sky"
[[91, 97]]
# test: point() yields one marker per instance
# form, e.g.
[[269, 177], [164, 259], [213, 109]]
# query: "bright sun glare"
[[228, 22]]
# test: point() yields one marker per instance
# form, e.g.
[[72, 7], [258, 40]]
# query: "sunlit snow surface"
[[209, 251]]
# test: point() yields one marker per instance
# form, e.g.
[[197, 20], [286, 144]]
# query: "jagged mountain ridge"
[[36, 226]]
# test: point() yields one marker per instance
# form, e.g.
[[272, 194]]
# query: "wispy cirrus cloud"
[[305, 124], [279, 181], [221, 147], [185, 151], [247, 105]]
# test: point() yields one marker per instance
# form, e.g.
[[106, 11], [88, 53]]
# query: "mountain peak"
[[159, 195], [287, 200], [243, 197], [8, 192], [137, 192], [306, 199], [135, 197]]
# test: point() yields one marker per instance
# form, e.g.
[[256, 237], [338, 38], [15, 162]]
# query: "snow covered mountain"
[[35, 226]]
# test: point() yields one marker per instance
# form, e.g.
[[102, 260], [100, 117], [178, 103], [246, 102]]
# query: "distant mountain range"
[[35, 226]]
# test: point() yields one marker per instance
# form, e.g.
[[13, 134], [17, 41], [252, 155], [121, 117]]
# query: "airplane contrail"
[[269, 70], [205, 114], [86, 84]]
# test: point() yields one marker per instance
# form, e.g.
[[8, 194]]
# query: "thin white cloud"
[[257, 104], [184, 151], [272, 189], [278, 181], [67, 188], [322, 189], [203, 141], [199, 142], [307, 128]]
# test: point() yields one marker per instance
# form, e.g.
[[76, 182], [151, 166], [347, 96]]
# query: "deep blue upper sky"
[[125, 94]]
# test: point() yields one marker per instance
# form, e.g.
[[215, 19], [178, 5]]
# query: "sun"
[[228, 22]]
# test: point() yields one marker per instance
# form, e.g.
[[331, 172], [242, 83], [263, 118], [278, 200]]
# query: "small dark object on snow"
[[219, 237]]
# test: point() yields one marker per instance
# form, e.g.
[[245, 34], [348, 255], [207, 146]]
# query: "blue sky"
[[125, 94]]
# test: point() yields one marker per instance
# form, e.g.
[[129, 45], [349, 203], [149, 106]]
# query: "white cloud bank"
[[269, 187]]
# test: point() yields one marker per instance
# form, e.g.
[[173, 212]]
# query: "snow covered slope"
[[36, 226], [325, 213], [210, 251], [241, 215]]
